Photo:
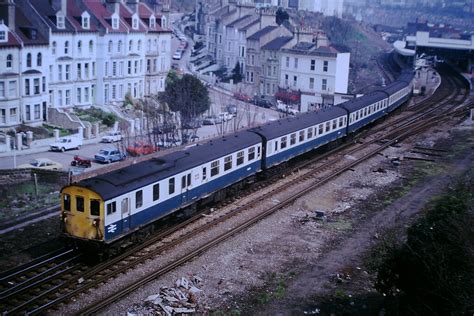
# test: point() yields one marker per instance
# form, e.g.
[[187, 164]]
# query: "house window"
[[129, 71], [295, 81], [325, 66], [27, 86], [114, 92], [313, 64], [156, 192], [3, 36], [139, 45], [79, 71], [78, 95], [296, 63], [28, 60], [9, 61], [68, 97], [2, 89], [324, 84], [79, 203], [79, 47], [36, 86], [91, 46], [115, 23], [86, 70], [38, 60], [227, 163], [12, 88], [286, 80], [240, 158], [114, 68], [43, 83], [110, 47], [152, 22], [60, 98], [138, 199], [54, 48], [135, 23], [68, 70], [171, 186], [251, 155], [111, 208], [214, 168], [37, 112], [86, 95], [66, 47], [311, 83], [287, 62], [130, 45], [119, 47]]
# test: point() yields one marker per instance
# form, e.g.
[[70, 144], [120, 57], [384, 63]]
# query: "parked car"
[[193, 124], [232, 109], [112, 137], [187, 138], [286, 108], [66, 143], [178, 54], [141, 148], [242, 97], [42, 163], [109, 155], [168, 143], [262, 102]]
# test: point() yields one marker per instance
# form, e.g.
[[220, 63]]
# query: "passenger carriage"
[[290, 137], [366, 109], [399, 91], [107, 207]]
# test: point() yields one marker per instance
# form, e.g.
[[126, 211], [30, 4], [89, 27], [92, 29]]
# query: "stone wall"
[[65, 120], [10, 177]]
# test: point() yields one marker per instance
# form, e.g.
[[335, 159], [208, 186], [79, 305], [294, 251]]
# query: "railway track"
[[66, 284]]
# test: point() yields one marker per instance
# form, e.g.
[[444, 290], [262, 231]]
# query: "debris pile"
[[180, 299]]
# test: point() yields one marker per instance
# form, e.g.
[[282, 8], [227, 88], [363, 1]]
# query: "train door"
[[125, 214], [185, 186]]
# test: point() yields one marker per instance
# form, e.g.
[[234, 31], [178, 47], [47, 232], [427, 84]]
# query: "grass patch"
[[95, 115], [339, 225]]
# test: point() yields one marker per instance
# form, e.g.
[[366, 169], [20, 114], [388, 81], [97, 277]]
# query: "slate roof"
[[310, 49], [45, 9], [288, 125], [103, 15], [232, 24], [246, 27], [262, 32], [277, 43], [130, 178]]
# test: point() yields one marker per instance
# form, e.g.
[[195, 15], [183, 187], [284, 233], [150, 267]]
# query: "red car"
[[242, 97], [141, 148]]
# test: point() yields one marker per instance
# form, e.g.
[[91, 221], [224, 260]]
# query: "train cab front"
[[82, 216]]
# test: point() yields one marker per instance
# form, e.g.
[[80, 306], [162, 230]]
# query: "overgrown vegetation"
[[95, 115], [432, 272]]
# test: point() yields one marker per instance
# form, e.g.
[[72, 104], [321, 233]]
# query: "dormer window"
[[3, 36], [115, 22], [85, 22], [152, 22], [135, 23], [164, 23], [60, 21]]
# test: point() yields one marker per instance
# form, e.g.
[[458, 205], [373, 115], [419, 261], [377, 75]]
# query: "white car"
[[225, 116], [66, 143], [42, 163], [112, 137], [177, 55]]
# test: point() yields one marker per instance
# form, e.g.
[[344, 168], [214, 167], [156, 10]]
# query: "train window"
[[341, 121], [214, 168], [240, 158], [283, 142], [320, 129], [183, 182], [204, 173], [227, 163], [334, 124], [251, 153], [258, 151], [293, 139], [171, 186], [139, 199], [111, 208], [357, 115], [156, 192], [67, 202], [189, 179], [310, 133], [301, 136], [79, 203], [328, 126], [95, 207], [276, 145]]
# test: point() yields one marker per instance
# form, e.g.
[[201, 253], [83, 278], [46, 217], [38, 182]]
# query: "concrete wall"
[[60, 118]]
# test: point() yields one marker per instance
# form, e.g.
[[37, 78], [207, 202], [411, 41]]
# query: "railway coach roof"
[[394, 87], [292, 124], [363, 101], [133, 177]]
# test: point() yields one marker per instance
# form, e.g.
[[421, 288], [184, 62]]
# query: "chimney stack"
[[7, 8]]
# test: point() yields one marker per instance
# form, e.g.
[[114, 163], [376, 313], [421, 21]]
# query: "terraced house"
[[80, 53]]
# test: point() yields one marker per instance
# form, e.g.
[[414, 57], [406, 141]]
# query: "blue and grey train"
[[117, 206]]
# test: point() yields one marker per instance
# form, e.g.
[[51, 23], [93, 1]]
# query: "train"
[[122, 206]]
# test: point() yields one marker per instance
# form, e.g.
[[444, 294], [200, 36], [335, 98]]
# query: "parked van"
[[66, 143]]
